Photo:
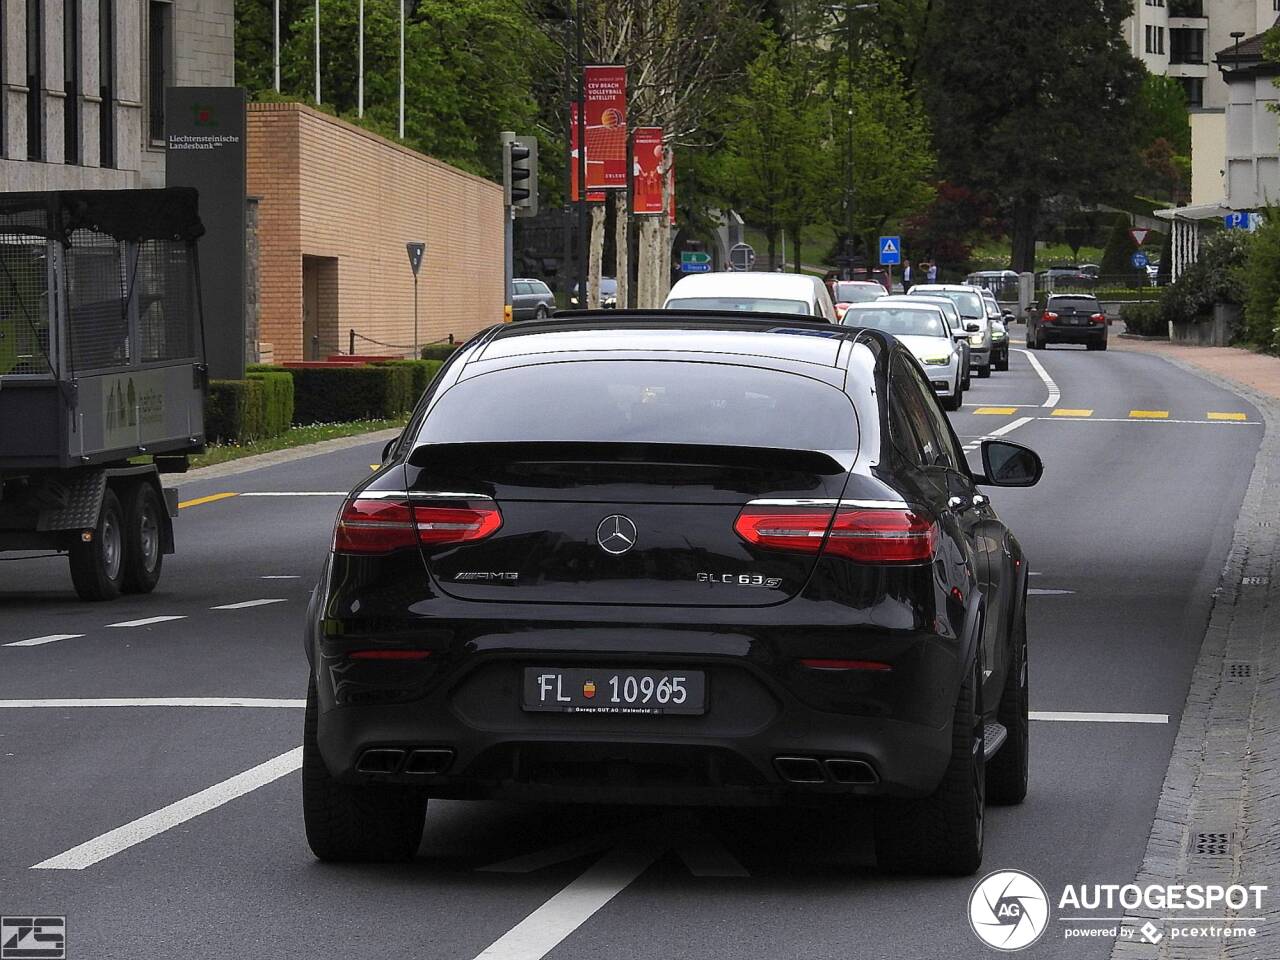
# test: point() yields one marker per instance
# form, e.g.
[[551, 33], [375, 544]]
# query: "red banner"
[[593, 196], [606, 106], [647, 170], [671, 188]]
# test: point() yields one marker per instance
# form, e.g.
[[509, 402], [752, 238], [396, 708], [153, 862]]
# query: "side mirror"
[[1007, 316], [972, 327], [1006, 464], [390, 445], [1030, 309]]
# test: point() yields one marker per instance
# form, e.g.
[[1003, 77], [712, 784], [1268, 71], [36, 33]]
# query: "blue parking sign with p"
[[890, 251]]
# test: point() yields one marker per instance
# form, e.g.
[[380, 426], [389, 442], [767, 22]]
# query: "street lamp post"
[[582, 158], [849, 9]]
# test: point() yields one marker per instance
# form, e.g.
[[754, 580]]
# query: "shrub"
[[338, 394], [233, 411], [277, 400], [1260, 277], [439, 351], [1146, 319], [424, 371], [1117, 267], [1215, 277]]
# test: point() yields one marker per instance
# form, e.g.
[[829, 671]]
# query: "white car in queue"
[[749, 292], [923, 330]]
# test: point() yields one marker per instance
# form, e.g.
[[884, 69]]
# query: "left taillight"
[[369, 526], [877, 536]]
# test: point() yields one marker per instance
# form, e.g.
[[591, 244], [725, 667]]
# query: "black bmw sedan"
[[665, 559]]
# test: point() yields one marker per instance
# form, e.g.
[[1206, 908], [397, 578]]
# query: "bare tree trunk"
[[596, 257], [795, 242], [1026, 216], [622, 264]]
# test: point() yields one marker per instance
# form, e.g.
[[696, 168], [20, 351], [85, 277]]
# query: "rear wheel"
[[143, 539], [1007, 772], [942, 833], [541, 313], [360, 822], [1002, 361], [984, 371], [97, 565]]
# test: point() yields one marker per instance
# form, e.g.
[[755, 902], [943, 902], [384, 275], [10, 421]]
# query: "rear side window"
[[645, 401]]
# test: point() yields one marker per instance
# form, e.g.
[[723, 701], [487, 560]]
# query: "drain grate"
[[1238, 671], [1211, 844]]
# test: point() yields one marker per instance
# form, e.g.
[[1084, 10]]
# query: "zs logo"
[[33, 938], [741, 579]]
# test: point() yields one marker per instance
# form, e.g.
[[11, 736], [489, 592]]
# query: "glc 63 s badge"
[[741, 579]]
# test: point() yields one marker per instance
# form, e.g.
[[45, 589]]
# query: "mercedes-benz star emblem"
[[616, 534]]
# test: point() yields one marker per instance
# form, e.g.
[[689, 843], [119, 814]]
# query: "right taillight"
[[1048, 317], [880, 536], [371, 526]]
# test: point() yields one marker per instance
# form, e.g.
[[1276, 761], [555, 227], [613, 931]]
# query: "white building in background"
[[82, 86]]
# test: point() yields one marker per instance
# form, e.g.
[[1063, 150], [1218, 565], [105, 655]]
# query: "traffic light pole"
[[508, 231], [582, 160]]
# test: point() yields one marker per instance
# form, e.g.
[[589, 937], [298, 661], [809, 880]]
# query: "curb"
[[1215, 818], [247, 464]]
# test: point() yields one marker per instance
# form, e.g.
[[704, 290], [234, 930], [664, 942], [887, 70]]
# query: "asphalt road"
[[1127, 534]]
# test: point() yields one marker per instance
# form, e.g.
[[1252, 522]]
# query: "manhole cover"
[[1238, 671], [1211, 844]]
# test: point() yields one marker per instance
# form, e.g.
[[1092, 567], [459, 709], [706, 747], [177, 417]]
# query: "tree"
[[1117, 258], [1261, 280], [1030, 110], [945, 230], [1162, 113]]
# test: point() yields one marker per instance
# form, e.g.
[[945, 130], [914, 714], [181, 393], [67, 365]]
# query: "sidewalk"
[[1216, 822]]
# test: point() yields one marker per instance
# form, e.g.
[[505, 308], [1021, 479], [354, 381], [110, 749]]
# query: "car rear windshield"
[[1074, 303], [741, 304], [858, 292], [645, 401], [900, 321]]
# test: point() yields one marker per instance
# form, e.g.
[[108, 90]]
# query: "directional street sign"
[[1139, 260], [1139, 236], [416, 250], [695, 261], [890, 251], [742, 256]]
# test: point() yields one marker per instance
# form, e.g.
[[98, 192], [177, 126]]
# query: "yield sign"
[[1139, 236], [415, 251]]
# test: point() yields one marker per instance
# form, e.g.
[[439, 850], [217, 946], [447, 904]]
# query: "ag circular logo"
[[1009, 910], [616, 534]]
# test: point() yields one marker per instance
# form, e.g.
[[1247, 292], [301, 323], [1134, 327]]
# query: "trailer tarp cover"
[[138, 215]]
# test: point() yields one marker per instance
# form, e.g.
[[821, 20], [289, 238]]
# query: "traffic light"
[[520, 175]]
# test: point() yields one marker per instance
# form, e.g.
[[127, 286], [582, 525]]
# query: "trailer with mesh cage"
[[102, 377]]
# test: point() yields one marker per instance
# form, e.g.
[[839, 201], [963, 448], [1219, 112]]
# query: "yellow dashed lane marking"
[[1227, 416], [212, 498], [997, 410], [1149, 414], [1063, 412]]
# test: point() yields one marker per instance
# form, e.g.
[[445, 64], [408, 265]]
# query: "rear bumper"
[[896, 723], [1094, 333]]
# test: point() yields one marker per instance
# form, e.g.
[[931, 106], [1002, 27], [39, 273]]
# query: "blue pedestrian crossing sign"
[[890, 251]]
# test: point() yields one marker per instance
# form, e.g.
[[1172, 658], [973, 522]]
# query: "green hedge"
[[439, 351], [424, 371], [277, 400], [1146, 319], [234, 411], [342, 394]]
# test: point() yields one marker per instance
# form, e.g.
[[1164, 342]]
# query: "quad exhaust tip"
[[424, 761], [842, 770]]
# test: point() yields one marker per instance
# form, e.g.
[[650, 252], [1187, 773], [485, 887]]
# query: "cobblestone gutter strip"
[[1220, 806]]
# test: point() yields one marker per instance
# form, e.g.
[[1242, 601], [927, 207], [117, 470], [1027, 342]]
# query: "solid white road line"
[[1009, 427], [1038, 592], [1054, 393], [145, 621], [37, 641], [282, 576], [1070, 716], [245, 604], [538, 934], [1150, 420], [158, 702], [144, 828]]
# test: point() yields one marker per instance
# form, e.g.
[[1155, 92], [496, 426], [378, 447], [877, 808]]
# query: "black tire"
[[942, 833], [542, 312], [362, 822], [1002, 362], [984, 371], [143, 539], [954, 401], [97, 566], [1007, 773], [1031, 343]]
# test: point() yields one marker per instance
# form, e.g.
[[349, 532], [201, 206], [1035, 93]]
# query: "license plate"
[[585, 690]]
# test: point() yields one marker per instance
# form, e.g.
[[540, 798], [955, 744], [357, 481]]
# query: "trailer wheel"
[[97, 566], [143, 539]]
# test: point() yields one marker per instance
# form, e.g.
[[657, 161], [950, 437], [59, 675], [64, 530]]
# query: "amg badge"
[[741, 579], [487, 575]]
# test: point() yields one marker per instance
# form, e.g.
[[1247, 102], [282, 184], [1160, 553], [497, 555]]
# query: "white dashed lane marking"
[[40, 641], [245, 604], [146, 621]]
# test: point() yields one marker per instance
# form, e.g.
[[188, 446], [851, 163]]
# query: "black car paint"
[[927, 621]]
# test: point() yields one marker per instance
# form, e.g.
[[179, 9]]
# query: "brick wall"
[[330, 189]]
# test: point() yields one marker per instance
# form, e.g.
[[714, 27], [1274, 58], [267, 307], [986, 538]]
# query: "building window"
[[157, 65], [1159, 39], [1148, 45], [1193, 87], [1187, 46], [71, 81], [35, 80], [107, 82]]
